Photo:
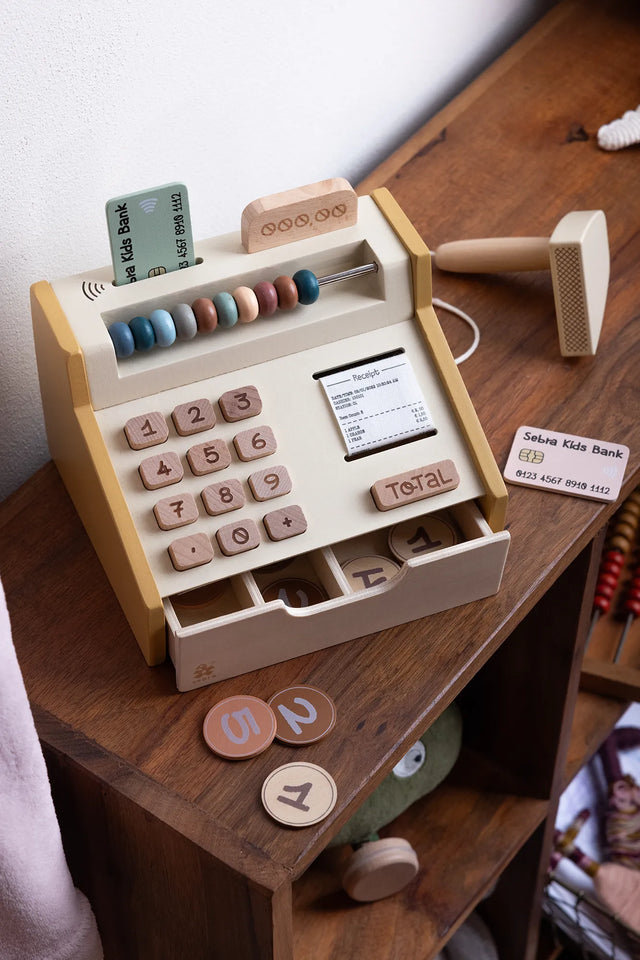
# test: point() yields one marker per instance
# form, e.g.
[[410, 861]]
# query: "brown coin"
[[303, 714], [365, 572], [239, 727], [299, 794], [200, 596], [294, 592], [415, 538]]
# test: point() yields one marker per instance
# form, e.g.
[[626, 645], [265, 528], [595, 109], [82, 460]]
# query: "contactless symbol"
[[303, 714], [366, 572], [239, 727], [299, 794], [415, 538]]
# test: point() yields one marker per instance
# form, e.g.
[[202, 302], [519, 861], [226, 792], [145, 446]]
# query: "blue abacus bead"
[[227, 309], [164, 327], [308, 286], [122, 338], [185, 321], [143, 335]]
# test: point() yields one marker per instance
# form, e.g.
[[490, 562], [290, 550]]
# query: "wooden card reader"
[[247, 476]]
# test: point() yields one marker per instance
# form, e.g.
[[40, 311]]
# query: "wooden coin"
[[380, 869], [303, 714], [366, 572], [415, 538], [239, 727], [294, 592], [299, 794]]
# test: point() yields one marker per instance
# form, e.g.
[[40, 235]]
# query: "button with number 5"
[[299, 794]]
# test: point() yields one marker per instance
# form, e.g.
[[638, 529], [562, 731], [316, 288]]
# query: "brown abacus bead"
[[267, 297], [621, 542], [206, 314], [287, 292]]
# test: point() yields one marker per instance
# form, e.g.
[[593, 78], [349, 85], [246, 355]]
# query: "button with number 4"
[[299, 794], [304, 714]]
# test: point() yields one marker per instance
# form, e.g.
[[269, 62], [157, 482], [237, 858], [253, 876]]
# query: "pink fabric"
[[42, 915]]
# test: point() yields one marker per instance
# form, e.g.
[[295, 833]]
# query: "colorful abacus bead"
[[247, 304], [206, 314], [122, 339], [185, 321], [227, 309], [143, 333], [307, 285], [267, 297], [163, 327], [287, 292]]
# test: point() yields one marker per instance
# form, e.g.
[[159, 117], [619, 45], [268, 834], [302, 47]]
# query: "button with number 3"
[[299, 794]]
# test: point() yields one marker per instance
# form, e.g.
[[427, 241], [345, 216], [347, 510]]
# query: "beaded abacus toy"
[[346, 410]]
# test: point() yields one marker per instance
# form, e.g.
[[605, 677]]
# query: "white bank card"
[[565, 463], [377, 403]]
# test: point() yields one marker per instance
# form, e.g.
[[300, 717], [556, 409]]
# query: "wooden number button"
[[269, 483], [161, 470], [239, 727], [414, 538], [238, 537], [208, 457], [240, 404], [194, 417], [191, 551], [224, 496], [176, 511], [256, 443], [366, 572], [146, 430], [286, 522], [415, 485], [294, 592], [303, 714], [299, 794]]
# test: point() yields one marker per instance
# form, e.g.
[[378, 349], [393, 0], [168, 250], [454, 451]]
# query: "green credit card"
[[150, 233]]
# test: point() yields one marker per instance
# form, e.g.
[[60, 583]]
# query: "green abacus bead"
[[308, 286]]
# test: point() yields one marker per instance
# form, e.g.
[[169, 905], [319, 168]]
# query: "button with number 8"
[[299, 794]]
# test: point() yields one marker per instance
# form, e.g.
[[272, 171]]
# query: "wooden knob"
[[379, 869]]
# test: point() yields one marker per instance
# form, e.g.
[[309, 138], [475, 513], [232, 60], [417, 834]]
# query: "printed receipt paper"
[[377, 403], [565, 463]]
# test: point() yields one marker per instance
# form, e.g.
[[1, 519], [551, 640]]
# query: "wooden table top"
[[509, 157]]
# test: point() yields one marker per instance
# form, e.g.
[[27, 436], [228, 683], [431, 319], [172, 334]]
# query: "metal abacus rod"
[[163, 328]]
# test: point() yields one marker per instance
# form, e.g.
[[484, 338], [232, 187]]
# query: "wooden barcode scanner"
[[272, 451], [577, 253]]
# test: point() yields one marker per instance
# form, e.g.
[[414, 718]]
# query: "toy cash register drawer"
[[248, 489]]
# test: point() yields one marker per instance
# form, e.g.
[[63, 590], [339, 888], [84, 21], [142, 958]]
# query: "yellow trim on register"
[[80, 454], [494, 503]]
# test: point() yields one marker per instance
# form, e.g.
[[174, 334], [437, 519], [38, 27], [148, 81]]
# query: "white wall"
[[235, 99]]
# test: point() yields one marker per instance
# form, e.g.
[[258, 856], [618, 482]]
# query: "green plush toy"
[[379, 868]]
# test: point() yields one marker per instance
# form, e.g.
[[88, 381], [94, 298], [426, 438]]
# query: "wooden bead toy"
[[182, 322]]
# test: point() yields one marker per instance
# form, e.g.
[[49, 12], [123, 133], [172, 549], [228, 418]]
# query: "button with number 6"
[[303, 714], [299, 794]]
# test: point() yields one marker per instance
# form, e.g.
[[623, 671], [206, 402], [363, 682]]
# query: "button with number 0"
[[299, 794], [304, 714], [239, 727]]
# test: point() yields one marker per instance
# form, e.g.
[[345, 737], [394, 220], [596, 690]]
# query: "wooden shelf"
[[170, 843]]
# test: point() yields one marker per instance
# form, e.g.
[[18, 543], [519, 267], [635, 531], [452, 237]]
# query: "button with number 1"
[[299, 794]]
